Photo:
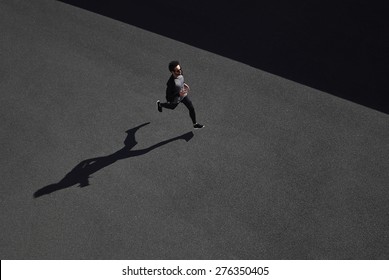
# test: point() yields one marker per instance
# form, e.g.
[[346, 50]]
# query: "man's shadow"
[[81, 172]]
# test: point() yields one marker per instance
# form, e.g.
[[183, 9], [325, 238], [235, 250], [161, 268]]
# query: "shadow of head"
[[75, 177]]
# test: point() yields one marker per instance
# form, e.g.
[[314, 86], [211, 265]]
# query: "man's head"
[[175, 68]]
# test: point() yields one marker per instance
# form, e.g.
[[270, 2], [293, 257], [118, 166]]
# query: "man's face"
[[177, 71]]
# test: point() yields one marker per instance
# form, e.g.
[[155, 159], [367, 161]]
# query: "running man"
[[177, 92]]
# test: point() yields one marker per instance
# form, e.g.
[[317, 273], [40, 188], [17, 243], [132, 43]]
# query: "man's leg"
[[188, 103], [167, 105]]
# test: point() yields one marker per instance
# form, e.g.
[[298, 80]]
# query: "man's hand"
[[184, 91]]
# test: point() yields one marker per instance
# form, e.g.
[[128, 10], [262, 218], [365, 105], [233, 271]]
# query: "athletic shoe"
[[198, 126], [159, 107]]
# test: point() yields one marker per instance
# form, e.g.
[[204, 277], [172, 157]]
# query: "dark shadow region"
[[81, 173], [339, 47]]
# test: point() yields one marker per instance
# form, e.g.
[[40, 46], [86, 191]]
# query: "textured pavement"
[[281, 170]]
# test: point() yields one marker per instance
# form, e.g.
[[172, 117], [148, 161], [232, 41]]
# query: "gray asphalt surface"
[[281, 170]]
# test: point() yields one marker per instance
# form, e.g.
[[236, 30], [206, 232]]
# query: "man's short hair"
[[173, 64]]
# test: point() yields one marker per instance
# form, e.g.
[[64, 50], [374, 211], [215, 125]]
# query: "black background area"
[[340, 48]]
